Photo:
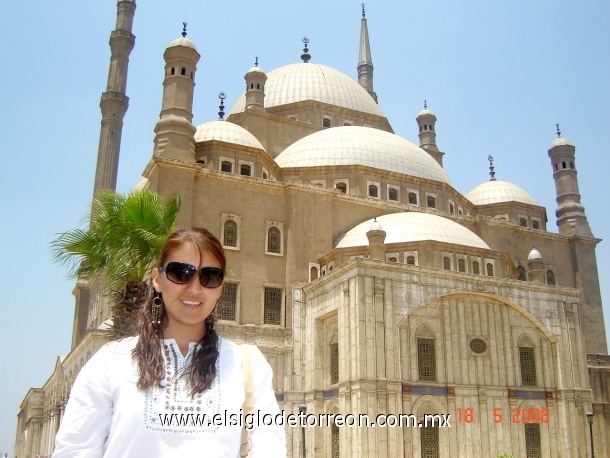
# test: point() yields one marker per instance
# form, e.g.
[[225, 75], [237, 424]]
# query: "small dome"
[[426, 112], [560, 141], [298, 82], [534, 254], [376, 226], [412, 227], [255, 69], [183, 41], [493, 192], [225, 131], [356, 145]]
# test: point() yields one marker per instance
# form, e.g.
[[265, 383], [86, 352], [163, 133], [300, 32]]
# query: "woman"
[[177, 389]]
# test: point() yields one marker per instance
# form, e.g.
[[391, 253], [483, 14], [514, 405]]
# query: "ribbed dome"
[[412, 227], [298, 82], [493, 192], [183, 41], [355, 145], [225, 131]]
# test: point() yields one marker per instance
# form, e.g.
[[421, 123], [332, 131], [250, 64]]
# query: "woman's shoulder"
[[234, 350], [122, 346]]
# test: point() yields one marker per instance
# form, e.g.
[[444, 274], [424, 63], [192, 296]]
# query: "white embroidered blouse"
[[107, 416]]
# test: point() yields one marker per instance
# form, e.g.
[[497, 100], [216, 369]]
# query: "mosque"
[[369, 282]]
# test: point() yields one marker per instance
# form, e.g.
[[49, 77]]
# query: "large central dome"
[[299, 82], [355, 145]]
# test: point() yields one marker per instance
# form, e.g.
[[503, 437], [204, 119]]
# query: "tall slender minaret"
[[571, 218], [114, 102], [426, 121], [365, 63]]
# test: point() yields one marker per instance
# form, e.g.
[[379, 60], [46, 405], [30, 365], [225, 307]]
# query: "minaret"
[[175, 133], [376, 236], [365, 63], [571, 219], [114, 102], [255, 88], [426, 121]]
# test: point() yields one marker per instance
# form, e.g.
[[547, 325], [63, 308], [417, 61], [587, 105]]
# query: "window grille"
[[274, 239], [550, 277], [273, 306], [446, 263], [245, 170], [227, 304], [532, 440], [334, 431], [411, 260], [413, 198], [528, 366], [475, 268], [342, 187], [429, 442], [230, 234], [373, 191], [334, 363], [393, 194], [226, 166], [490, 270], [461, 265], [426, 359]]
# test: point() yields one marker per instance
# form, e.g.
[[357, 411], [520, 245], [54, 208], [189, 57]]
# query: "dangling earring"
[[157, 310]]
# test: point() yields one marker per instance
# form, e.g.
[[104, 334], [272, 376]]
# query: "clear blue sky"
[[498, 75]]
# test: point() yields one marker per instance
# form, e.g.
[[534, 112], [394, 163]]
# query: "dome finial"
[[256, 61], [305, 56], [425, 105], [221, 108], [558, 131], [490, 158], [184, 24], [363, 13]]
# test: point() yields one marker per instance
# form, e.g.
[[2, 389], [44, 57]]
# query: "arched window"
[[451, 208], [426, 359], [183, 71], [334, 363], [226, 166], [265, 176], [522, 273], [325, 122], [475, 268], [490, 269], [413, 198], [535, 224], [173, 72], [245, 170], [342, 187], [393, 259], [550, 277], [461, 265], [230, 234], [274, 240], [563, 165], [522, 222], [258, 86], [528, 366], [313, 273], [373, 191], [431, 202], [446, 263], [411, 260], [392, 194]]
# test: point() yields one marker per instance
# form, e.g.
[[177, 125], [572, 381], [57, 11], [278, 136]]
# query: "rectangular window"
[[426, 359], [429, 442], [528, 366], [532, 440], [334, 363], [273, 306], [227, 304]]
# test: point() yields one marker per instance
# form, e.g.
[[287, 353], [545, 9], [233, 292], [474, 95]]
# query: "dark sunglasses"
[[182, 274]]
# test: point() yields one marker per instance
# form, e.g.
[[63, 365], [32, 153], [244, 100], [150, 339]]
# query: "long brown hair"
[[148, 351]]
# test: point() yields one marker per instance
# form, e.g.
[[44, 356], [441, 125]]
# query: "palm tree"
[[125, 236]]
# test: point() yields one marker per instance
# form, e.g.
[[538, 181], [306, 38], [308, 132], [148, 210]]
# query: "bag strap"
[[249, 400]]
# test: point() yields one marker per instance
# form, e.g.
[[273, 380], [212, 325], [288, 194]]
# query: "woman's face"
[[187, 306]]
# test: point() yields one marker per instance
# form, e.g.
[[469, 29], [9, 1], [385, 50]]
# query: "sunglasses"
[[182, 274]]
